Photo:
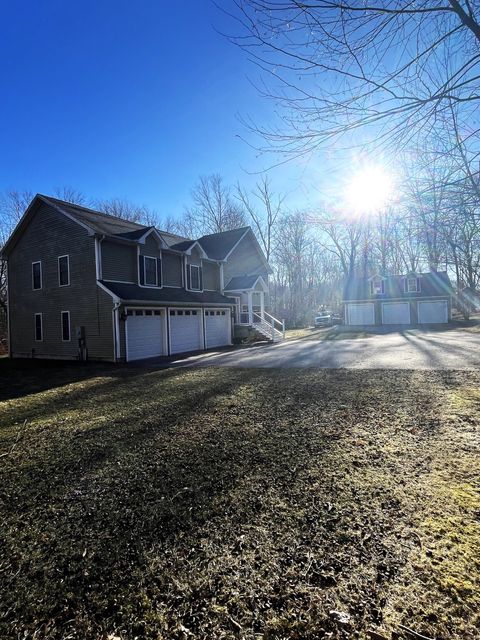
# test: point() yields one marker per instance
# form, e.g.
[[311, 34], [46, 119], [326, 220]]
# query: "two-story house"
[[86, 285]]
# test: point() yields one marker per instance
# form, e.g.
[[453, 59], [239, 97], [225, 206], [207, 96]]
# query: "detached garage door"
[[185, 330], [396, 312], [361, 313], [434, 312], [217, 328], [145, 333]]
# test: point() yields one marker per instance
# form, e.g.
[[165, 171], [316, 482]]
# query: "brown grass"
[[221, 503]]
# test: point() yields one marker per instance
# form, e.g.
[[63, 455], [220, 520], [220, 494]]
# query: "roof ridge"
[[219, 233], [95, 211]]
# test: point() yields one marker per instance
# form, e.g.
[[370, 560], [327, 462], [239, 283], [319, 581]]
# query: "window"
[[66, 326], [38, 327], [36, 275], [63, 271], [150, 271], [377, 286], [412, 285], [194, 277]]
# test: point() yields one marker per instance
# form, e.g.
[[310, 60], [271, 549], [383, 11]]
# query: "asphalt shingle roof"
[[241, 282], [431, 284], [218, 245], [130, 292]]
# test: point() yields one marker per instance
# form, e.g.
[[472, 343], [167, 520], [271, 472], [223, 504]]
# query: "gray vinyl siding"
[[172, 266], [245, 260], [151, 247], [119, 261], [48, 236], [211, 276]]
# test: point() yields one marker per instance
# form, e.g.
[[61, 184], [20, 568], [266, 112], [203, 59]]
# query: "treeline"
[[432, 223]]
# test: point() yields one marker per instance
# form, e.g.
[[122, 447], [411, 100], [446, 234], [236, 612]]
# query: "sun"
[[369, 190]]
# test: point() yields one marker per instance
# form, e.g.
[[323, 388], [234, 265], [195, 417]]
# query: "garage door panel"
[[217, 328], [185, 330], [396, 312], [361, 314], [433, 312], [145, 334]]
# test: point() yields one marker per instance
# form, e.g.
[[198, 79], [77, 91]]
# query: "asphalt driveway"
[[412, 349]]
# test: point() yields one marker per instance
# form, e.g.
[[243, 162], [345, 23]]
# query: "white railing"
[[268, 325]]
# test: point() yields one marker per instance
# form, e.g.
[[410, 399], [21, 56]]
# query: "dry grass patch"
[[222, 503]]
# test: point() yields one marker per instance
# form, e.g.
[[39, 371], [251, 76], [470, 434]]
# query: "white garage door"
[[217, 328], [434, 312], [185, 330], [145, 333], [396, 312], [361, 313]]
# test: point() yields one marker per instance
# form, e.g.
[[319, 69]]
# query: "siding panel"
[[119, 261]]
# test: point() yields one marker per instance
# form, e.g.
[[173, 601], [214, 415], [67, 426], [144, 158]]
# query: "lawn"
[[235, 503]]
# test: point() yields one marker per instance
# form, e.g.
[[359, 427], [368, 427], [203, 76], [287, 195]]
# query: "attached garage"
[[186, 330], [361, 313], [395, 312], [145, 333], [433, 312], [218, 329]]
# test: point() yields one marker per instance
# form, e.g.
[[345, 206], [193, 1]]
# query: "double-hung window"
[[195, 278], [412, 285], [377, 286], [63, 271], [150, 271], [65, 315], [38, 327], [36, 275]]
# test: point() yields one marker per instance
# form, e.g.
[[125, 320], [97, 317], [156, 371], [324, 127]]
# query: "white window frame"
[[35, 326], [372, 285], [198, 267], [41, 276], [407, 284], [69, 326], [68, 270], [149, 284]]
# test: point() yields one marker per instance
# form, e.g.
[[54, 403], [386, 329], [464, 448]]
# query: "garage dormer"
[[377, 285]]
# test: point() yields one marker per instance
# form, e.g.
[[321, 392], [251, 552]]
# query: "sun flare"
[[369, 190]]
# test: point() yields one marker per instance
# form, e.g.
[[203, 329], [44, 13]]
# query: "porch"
[[250, 295]]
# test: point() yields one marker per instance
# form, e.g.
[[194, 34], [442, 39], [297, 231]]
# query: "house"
[[84, 284], [415, 298]]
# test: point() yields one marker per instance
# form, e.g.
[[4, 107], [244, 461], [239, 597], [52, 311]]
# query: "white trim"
[[69, 326], [182, 308], [237, 243], [98, 257], [222, 277], [203, 253], [200, 279], [67, 256], [228, 314], [110, 293], [41, 276], [163, 243], [389, 302], [145, 283], [67, 215], [35, 326], [418, 286], [390, 299], [122, 282], [252, 288]]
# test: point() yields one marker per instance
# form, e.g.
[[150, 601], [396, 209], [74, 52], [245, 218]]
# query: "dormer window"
[[150, 269], [377, 286], [195, 278], [412, 284]]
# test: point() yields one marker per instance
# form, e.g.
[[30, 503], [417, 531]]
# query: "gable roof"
[[433, 283], [218, 245], [241, 283]]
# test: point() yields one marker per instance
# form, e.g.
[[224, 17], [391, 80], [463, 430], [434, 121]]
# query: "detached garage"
[[432, 312], [396, 312], [361, 314]]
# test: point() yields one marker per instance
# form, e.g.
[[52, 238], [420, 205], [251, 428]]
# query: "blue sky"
[[130, 100]]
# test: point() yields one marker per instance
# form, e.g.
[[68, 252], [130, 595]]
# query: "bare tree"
[[128, 211], [213, 210], [264, 209], [387, 67]]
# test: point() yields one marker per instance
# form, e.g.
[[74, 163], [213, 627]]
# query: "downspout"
[[116, 331]]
